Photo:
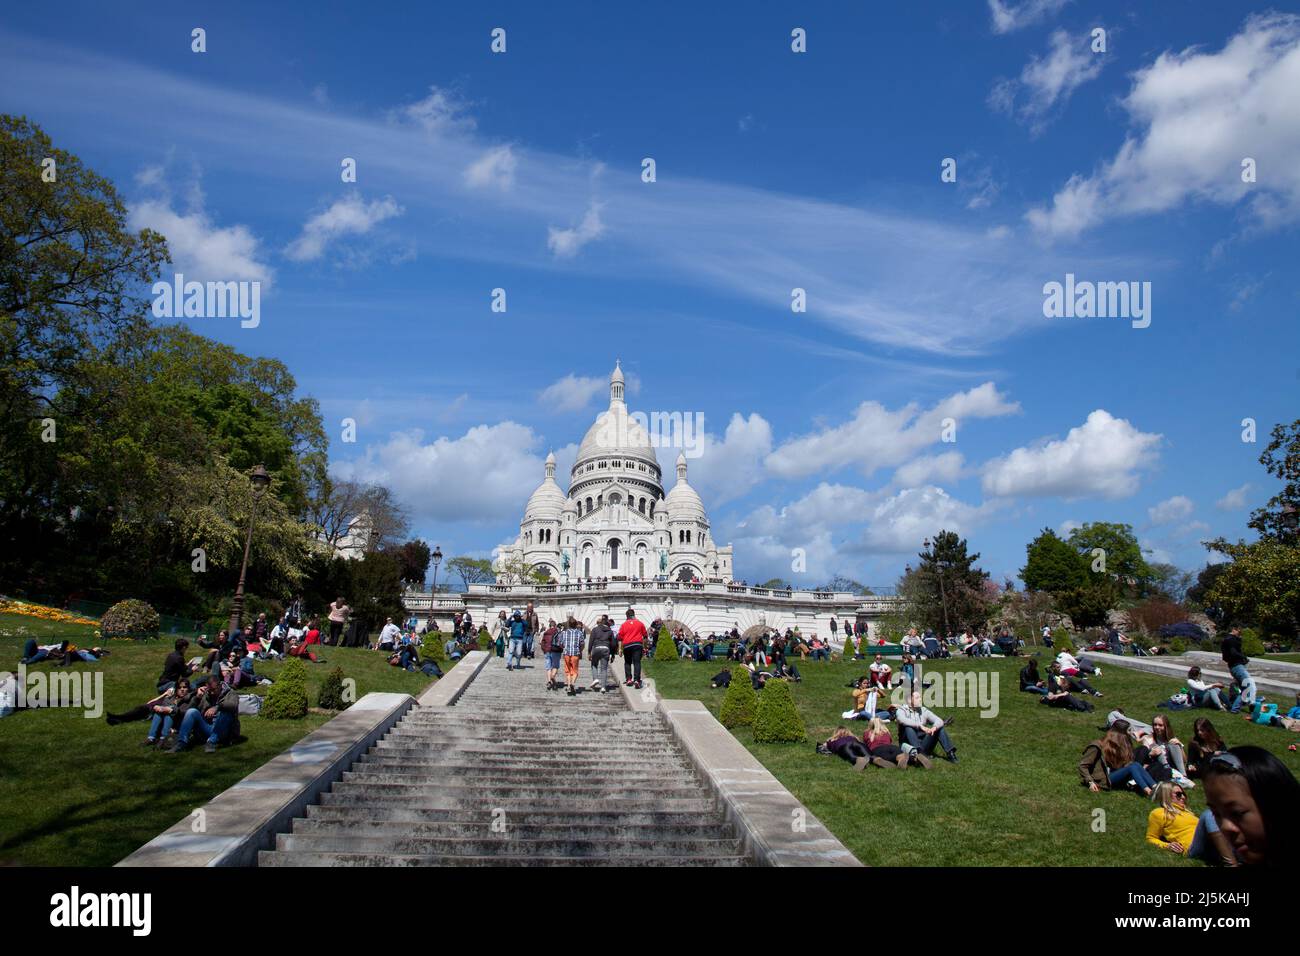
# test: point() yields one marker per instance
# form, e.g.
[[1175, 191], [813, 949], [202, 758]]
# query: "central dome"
[[616, 432]]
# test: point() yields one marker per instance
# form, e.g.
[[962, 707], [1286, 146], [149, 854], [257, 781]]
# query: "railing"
[[878, 599]]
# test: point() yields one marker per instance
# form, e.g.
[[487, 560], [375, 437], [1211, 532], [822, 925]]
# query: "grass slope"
[[77, 792], [1015, 797]]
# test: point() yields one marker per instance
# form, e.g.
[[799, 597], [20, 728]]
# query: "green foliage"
[[414, 557], [471, 571], [331, 691], [434, 649], [1278, 520], [665, 648], [130, 618], [740, 701], [1061, 641], [776, 584], [1089, 606], [1260, 585], [1178, 646], [777, 720], [1052, 565], [376, 589], [1123, 561], [484, 640], [287, 698], [947, 591]]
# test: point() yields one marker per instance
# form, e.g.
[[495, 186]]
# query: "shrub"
[[130, 618], [287, 698], [777, 720], [434, 648], [331, 692], [484, 639], [1061, 640], [1251, 645], [1177, 646], [740, 702], [665, 648], [1156, 612]]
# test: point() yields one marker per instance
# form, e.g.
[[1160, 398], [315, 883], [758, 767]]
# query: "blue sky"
[[775, 170]]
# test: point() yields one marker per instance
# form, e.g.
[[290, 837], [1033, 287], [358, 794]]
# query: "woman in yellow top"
[[1171, 826]]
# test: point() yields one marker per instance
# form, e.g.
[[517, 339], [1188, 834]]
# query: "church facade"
[[615, 522]]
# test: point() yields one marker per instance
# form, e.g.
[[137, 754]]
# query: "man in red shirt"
[[631, 639]]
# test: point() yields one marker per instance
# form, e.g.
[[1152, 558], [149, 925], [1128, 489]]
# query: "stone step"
[[276, 858], [540, 826], [517, 777], [584, 763], [413, 746], [540, 788], [373, 801], [618, 815], [342, 842]]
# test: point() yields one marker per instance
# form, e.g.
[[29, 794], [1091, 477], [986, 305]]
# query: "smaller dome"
[[548, 501], [683, 501]]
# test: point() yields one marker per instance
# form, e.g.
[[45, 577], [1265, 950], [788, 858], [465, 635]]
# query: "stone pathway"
[[1277, 680], [513, 774]]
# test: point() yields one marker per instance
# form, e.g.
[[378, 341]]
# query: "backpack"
[[250, 704]]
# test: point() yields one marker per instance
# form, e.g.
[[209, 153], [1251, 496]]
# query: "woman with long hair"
[[1108, 763], [1206, 742], [885, 753], [1254, 798], [1171, 826], [846, 746]]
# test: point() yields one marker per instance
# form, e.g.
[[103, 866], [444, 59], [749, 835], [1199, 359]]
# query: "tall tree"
[[951, 590], [471, 570], [414, 557], [1279, 520], [1052, 564], [1111, 550]]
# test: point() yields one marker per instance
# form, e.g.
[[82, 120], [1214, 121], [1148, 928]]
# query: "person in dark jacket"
[[214, 714], [601, 645], [165, 712], [1030, 681], [1236, 659], [174, 666]]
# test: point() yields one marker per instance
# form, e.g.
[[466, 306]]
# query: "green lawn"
[[77, 792], [1293, 658], [1013, 800]]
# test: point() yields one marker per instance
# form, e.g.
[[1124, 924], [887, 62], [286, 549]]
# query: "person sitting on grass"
[[174, 665], [1108, 763], [164, 712], [1171, 826], [302, 648], [819, 650], [237, 670], [848, 747], [1073, 667], [923, 729], [1254, 798], [1030, 681], [214, 715], [885, 753], [865, 699], [1175, 757], [1204, 693], [1205, 743]]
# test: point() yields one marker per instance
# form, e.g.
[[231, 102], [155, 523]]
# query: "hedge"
[[130, 618], [740, 702], [778, 720], [287, 698]]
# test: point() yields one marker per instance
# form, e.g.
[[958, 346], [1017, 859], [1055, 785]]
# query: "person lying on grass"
[[1057, 679], [1108, 763], [1064, 700], [881, 746], [848, 747], [1171, 826]]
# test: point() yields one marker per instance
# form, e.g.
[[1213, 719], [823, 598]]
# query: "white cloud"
[[495, 168], [441, 112], [727, 469], [1171, 510], [1099, 458], [456, 479], [566, 243], [879, 438], [572, 393], [1068, 525], [945, 467], [200, 249], [1047, 83], [348, 216], [1234, 500], [900, 524], [1198, 115], [1009, 16]]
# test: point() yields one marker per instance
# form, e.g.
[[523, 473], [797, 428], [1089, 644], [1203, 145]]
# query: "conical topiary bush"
[[777, 720], [740, 702], [287, 698], [665, 648], [331, 692]]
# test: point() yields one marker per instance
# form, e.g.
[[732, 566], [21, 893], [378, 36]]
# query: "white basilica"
[[615, 522]]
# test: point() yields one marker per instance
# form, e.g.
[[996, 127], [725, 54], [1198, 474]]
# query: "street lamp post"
[[433, 591], [943, 597], [259, 479]]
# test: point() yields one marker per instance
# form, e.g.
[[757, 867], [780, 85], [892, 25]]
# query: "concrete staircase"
[[515, 775]]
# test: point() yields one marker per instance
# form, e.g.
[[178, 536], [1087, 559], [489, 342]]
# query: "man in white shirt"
[[389, 636]]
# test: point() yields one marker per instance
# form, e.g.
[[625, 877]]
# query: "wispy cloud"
[[1047, 82], [348, 216]]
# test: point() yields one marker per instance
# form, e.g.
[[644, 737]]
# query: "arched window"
[[640, 505], [640, 568], [586, 567], [688, 537], [588, 504], [615, 498], [579, 507], [652, 509], [614, 545], [600, 501]]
